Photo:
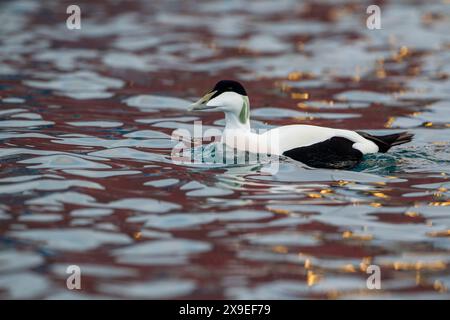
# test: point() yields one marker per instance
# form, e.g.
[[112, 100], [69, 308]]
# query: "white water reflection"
[[71, 239], [78, 85]]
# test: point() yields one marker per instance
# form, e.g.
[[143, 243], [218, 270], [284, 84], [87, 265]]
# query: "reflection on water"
[[86, 118]]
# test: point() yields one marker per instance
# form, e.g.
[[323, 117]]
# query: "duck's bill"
[[202, 103]]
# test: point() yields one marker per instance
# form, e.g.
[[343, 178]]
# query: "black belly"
[[335, 153]]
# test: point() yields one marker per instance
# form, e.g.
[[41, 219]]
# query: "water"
[[86, 179]]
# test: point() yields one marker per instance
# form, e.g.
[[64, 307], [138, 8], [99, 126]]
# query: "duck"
[[314, 146]]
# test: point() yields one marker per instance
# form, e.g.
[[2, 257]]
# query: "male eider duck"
[[318, 147]]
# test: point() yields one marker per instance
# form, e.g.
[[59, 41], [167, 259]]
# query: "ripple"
[[145, 205], [77, 240], [24, 123], [101, 174], [368, 96], [11, 111], [161, 183], [177, 221], [98, 124], [79, 85], [97, 271], [171, 251], [283, 290], [128, 153], [136, 42], [65, 59], [91, 212], [147, 134], [98, 142], [160, 289], [28, 115], [24, 285], [292, 239], [47, 185], [122, 60], [11, 260], [209, 192], [63, 162], [42, 218], [13, 100], [151, 103]]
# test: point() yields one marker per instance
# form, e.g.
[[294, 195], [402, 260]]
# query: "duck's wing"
[[336, 152], [295, 136], [323, 147]]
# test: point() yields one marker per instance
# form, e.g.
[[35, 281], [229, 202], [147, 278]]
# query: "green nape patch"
[[245, 111]]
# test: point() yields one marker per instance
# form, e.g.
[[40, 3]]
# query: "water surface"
[[86, 179]]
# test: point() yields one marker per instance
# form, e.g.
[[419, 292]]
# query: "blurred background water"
[[86, 178]]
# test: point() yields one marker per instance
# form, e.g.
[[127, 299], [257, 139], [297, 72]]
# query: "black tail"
[[384, 143]]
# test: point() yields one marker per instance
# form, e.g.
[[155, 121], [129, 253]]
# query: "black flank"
[[334, 153]]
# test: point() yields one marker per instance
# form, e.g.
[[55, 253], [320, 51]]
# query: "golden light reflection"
[[439, 286], [389, 122], [279, 211], [314, 195], [439, 204], [308, 264], [445, 233], [302, 105], [300, 96], [376, 205], [349, 268], [439, 143], [419, 265], [412, 214], [401, 54], [438, 194], [357, 75], [381, 73], [333, 294], [304, 118], [312, 278], [354, 236], [137, 235], [280, 249], [380, 195], [295, 76], [418, 277], [343, 182], [366, 261]]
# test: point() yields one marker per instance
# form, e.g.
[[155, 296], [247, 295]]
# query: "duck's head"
[[229, 97]]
